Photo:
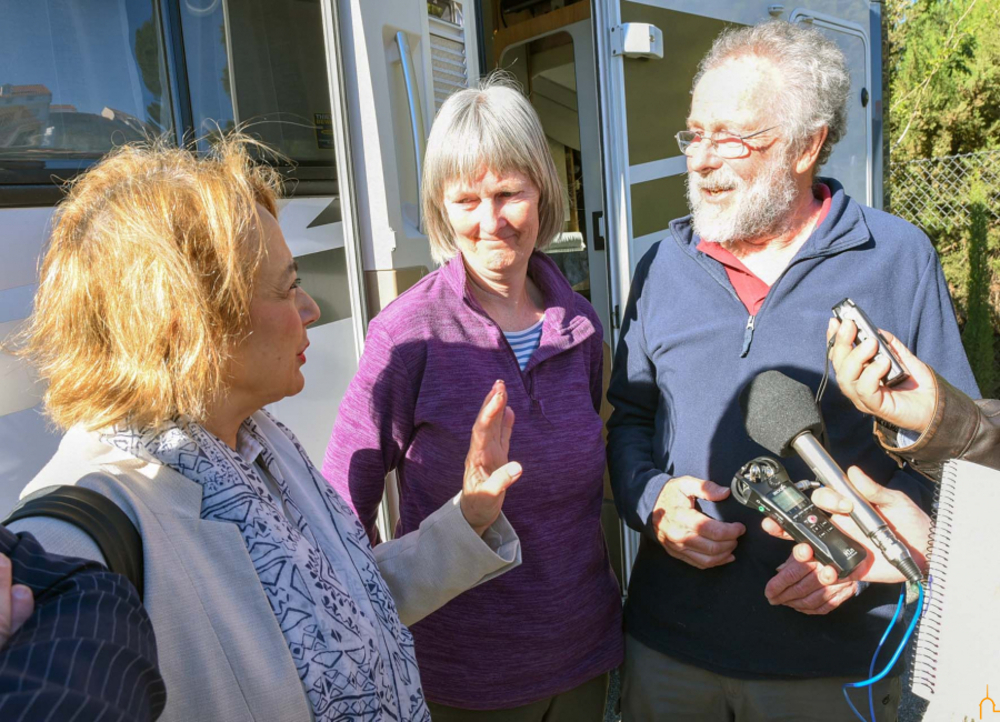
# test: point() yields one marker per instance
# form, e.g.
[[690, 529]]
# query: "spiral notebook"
[[956, 660]]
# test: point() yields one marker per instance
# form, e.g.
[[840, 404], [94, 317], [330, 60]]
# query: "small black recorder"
[[763, 484], [848, 310]]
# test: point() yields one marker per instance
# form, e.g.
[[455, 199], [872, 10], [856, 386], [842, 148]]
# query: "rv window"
[[204, 31], [77, 78], [447, 10], [261, 65]]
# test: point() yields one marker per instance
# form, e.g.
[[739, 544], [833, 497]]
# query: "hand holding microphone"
[[910, 523], [779, 414]]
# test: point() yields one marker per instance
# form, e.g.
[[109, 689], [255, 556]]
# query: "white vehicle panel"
[[27, 441], [22, 233], [331, 362], [301, 221]]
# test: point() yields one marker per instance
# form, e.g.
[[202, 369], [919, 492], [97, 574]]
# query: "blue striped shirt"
[[88, 651], [523, 343]]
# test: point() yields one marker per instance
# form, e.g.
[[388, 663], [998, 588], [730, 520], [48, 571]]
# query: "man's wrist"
[[650, 499]]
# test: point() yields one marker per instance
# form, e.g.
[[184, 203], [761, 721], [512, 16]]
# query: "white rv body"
[[608, 100]]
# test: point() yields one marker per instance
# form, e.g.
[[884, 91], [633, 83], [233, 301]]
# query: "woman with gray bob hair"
[[541, 645], [495, 127]]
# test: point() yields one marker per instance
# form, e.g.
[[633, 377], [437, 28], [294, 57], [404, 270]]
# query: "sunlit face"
[[267, 366], [495, 221], [739, 199]]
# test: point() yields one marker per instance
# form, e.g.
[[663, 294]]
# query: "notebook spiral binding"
[[925, 656]]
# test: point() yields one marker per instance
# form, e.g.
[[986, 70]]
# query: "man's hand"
[[685, 532], [808, 586], [908, 405], [487, 472], [909, 521], [16, 602]]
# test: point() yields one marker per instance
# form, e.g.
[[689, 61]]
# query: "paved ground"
[[911, 708]]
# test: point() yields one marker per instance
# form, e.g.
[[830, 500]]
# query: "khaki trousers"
[[580, 704], [656, 687]]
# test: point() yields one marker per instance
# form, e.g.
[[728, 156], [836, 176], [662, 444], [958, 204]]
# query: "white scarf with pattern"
[[354, 656]]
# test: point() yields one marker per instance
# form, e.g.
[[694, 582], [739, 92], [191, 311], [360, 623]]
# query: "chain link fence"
[[934, 193], [956, 201]]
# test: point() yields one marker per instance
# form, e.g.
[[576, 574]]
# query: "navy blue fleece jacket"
[[680, 365]]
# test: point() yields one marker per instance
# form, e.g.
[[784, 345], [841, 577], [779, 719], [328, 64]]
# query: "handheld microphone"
[[780, 414]]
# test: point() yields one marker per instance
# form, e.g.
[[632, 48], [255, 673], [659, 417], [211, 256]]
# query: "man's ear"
[[807, 158]]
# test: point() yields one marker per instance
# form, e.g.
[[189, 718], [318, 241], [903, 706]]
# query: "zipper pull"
[[747, 337]]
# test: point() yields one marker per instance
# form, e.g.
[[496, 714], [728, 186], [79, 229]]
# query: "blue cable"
[[895, 657], [871, 667]]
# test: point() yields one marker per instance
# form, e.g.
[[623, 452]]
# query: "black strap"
[[102, 519]]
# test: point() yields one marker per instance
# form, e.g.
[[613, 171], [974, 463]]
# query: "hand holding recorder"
[[780, 414], [908, 405], [910, 523]]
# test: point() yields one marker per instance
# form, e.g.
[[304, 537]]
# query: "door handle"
[[595, 220], [410, 80]]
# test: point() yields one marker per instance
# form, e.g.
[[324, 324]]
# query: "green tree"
[[942, 58], [944, 67], [978, 336]]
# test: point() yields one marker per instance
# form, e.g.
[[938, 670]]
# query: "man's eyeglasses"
[[725, 144]]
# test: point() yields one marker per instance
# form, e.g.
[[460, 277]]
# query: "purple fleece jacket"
[[430, 358]]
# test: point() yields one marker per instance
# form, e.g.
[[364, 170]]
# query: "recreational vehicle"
[[346, 91]]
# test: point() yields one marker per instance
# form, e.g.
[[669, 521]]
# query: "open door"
[[552, 57], [556, 70], [853, 159], [401, 59], [645, 95]]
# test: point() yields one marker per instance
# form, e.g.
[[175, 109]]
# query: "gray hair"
[[816, 84], [490, 127]]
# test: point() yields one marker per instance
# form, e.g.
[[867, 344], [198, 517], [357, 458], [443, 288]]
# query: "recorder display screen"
[[789, 498]]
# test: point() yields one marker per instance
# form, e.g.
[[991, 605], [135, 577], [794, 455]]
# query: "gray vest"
[[221, 652]]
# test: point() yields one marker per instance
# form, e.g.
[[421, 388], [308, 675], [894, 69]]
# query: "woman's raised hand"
[[487, 471]]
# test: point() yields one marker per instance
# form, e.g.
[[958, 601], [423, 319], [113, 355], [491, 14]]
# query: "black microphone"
[[780, 414]]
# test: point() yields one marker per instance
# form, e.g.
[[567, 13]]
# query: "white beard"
[[758, 207]]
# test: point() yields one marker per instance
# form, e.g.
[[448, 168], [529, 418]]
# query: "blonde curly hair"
[[146, 283]]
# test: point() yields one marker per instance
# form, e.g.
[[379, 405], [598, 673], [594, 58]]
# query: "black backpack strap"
[[102, 519]]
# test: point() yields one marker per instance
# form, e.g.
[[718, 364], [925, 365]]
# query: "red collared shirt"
[[751, 289]]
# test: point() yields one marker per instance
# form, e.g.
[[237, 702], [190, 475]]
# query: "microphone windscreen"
[[776, 409]]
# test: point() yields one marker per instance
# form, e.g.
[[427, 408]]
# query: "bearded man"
[[722, 623]]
